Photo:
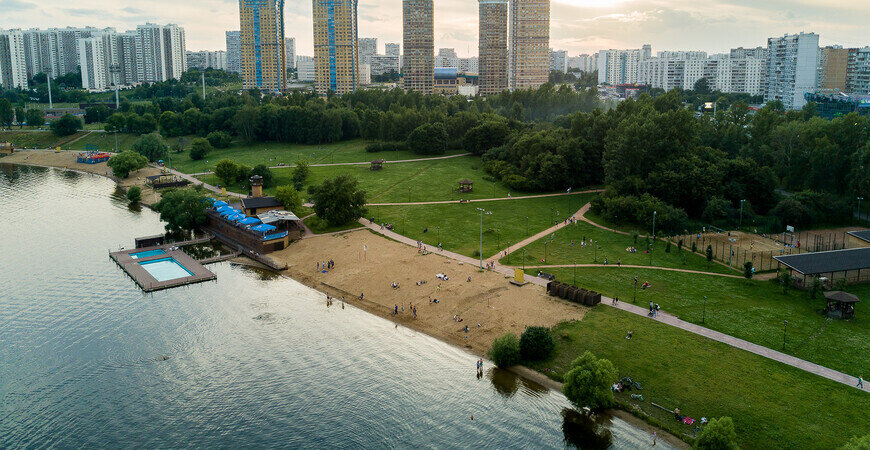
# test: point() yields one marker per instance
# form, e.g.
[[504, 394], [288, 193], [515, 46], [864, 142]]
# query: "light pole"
[[784, 330], [553, 215], [575, 273], [741, 213], [704, 317], [439, 234], [595, 244], [498, 240], [546, 243], [48, 80], [654, 225], [524, 259], [482, 212], [859, 208], [527, 226]]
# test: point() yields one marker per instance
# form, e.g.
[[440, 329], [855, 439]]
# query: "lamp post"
[[741, 213], [553, 215], [498, 240], [575, 273], [595, 244], [859, 208], [635, 290], [509, 253], [48, 80], [784, 331], [524, 259], [546, 243], [439, 234], [654, 225], [527, 226], [704, 317], [482, 212]]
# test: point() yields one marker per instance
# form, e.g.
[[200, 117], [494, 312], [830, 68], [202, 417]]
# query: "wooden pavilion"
[[841, 305], [378, 164], [466, 186]]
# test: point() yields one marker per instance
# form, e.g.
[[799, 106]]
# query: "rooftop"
[[260, 202], [828, 262]]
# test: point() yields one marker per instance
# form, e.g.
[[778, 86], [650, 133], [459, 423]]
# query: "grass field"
[[460, 223], [318, 226], [420, 181], [750, 310], [612, 247], [273, 153], [22, 139], [773, 405]]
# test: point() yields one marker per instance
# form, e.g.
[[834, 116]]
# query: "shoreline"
[[493, 288]]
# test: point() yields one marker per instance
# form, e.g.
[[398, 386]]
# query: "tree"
[[199, 148], [748, 270], [182, 209], [7, 112], [536, 343], [289, 197], [429, 139], [66, 125], [588, 382], [35, 117], [124, 163], [505, 351], [227, 171], [300, 174], [719, 434], [339, 201], [702, 86], [219, 139], [115, 123], [785, 280], [709, 255], [171, 124], [20, 116], [858, 443], [816, 287], [134, 194], [151, 146]]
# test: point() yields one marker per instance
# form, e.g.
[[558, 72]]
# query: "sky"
[[578, 26]]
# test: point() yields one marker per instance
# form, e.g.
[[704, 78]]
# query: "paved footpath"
[[665, 319], [362, 163], [482, 200], [628, 266]]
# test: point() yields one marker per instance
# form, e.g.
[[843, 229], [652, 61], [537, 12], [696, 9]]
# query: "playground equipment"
[[93, 157]]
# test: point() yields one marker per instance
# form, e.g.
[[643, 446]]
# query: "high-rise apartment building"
[[368, 47], [621, 66], [161, 52], [833, 63], [584, 63], [418, 28], [392, 49], [262, 45], [558, 61], [493, 46], [529, 43], [336, 46], [469, 65], [446, 57], [234, 51], [290, 52], [738, 72], [207, 60], [792, 69], [93, 63], [13, 62], [384, 64], [858, 71], [305, 68]]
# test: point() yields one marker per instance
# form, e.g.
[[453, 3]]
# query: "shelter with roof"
[[859, 238], [378, 164], [841, 305], [466, 186], [165, 180], [851, 264]]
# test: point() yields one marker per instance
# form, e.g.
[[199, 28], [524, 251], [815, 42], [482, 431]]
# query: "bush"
[[536, 343], [124, 163], [182, 209], [719, 434], [668, 247], [505, 351], [35, 117], [428, 139], [288, 197], [748, 270], [151, 146], [377, 147], [134, 194], [300, 174], [633, 210], [263, 171], [199, 148], [339, 201], [227, 171], [66, 125], [588, 382], [219, 139]]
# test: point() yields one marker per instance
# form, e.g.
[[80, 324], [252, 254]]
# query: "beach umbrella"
[[224, 208], [236, 217], [220, 203], [250, 221], [264, 228], [228, 212]]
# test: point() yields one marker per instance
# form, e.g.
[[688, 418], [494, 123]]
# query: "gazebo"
[[841, 305], [378, 164], [466, 186]]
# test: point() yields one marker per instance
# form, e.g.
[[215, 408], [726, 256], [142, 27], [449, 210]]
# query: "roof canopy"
[[263, 228], [828, 262], [841, 297], [863, 235], [277, 216], [466, 182]]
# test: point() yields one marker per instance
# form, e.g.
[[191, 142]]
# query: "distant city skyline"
[[578, 26]]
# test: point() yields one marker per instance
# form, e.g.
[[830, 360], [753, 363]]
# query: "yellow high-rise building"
[[529, 43], [336, 48], [493, 59], [418, 64], [263, 53]]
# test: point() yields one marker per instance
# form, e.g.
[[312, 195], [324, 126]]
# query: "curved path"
[[628, 266], [363, 163], [480, 200]]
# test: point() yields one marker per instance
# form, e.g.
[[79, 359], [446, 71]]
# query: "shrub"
[[300, 174], [219, 139], [785, 281], [536, 343], [668, 247], [748, 270], [243, 173], [377, 147], [151, 146], [505, 351], [288, 197], [857, 443], [694, 247], [429, 139], [263, 171], [588, 382], [66, 125], [124, 163], [199, 148], [182, 209], [719, 434], [226, 171], [134, 194]]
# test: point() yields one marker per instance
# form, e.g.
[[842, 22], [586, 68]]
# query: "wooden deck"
[[133, 267]]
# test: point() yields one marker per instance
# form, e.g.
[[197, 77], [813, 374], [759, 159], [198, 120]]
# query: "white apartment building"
[[584, 63], [729, 73], [207, 60], [382, 64], [13, 62], [290, 52], [234, 51], [368, 47], [446, 57], [365, 74], [621, 66], [792, 69], [305, 70], [392, 49], [858, 71], [92, 60], [559, 60], [469, 65]]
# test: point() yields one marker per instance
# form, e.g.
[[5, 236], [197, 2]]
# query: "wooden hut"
[[378, 164], [466, 186], [841, 305]]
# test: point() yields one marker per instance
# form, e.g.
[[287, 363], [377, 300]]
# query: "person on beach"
[[655, 437], [396, 310]]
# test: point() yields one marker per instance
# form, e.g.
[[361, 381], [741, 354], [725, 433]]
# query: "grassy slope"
[[611, 246], [750, 310], [773, 405], [460, 223], [38, 139]]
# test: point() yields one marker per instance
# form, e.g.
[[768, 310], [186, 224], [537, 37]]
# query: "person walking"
[[860, 384]]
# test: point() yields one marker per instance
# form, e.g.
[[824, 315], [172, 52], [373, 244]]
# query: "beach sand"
[[67, 160], [488, 300]]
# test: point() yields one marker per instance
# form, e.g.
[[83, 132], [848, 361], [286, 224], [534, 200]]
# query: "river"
[[254, 359]]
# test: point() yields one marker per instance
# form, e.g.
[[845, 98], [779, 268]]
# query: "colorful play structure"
[[93, 157]]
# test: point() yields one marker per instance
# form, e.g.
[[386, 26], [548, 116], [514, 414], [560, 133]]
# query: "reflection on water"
[[508, 383], [586, 430]]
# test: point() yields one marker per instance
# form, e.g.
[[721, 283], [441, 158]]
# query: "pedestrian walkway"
[[627, 266], [480, 200], [363, 163], [545, 233]]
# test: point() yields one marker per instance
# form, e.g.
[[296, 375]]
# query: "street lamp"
[[784, 330], [704, 317], [741, 213], [439, 234], [527, 226], [654, 225], [482, 212], [595, 244], [498, 240], [524, 259], [545, 250], [575, 273], [859, 208]]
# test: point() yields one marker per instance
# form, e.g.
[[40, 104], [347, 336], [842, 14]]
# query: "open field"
[[751, 310], [460, 222], [773, 405], [319, 226], [27, 139], [421, 181], [611, 247]]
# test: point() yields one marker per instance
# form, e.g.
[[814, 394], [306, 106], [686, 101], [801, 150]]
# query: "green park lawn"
[[755, 311], [420, 181], [319, 226], [611, 246], [35, 139], [773, 405], [104, 141], [460, 222], [274, 153]]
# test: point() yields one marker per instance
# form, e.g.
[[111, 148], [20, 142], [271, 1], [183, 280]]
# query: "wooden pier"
[[133, 267]]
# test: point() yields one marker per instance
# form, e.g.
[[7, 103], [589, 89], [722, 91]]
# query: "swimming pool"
[[165, 269], [147, 254]]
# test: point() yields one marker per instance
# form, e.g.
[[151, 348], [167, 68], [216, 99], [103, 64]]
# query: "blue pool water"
[[147, 254], [165, 269]]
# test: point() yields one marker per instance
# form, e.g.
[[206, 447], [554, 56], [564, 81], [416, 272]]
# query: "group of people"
[[654, 309], [329, 300], [325, 265]]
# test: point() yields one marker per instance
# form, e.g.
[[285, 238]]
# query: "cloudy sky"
[[579, 26]]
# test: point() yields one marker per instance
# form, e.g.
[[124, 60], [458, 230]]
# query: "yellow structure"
[[519, 276], [336, 48], [6, 148], [262, 42]]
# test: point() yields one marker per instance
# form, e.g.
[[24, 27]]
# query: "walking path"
[[666, 319], [627, 266], [480, 200], [362, 163], [198, 182], [545, 233]]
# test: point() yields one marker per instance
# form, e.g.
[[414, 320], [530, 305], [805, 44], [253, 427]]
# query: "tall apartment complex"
[[368, 47], [739, 72], [290, 52], [493, 46], [833, 62], [584, 63], [392, 49], [558, 61], [262, 45], [858, 71], [418, 65], [13, 62], [792, 69], [621, 66], [336, 47], [234, 51], [529, 43], [207, 60]]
